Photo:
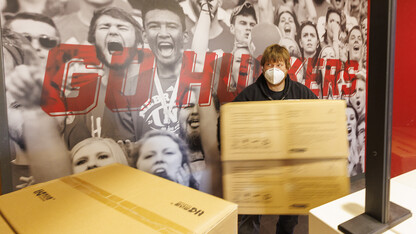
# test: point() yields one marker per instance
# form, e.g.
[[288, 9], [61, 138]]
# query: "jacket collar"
[[261, 81]]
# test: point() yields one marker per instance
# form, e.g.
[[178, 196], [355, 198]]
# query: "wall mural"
[[93, 82]]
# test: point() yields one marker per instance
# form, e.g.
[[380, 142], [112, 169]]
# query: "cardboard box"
[[116, 199], [5, 227], [284, 157]]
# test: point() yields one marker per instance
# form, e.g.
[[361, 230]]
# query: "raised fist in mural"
[[24, 84]]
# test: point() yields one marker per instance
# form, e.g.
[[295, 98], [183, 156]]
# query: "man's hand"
[[183, 176], [130, 149], [25, 85]]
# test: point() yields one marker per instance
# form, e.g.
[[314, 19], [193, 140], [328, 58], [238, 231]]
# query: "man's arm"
[[47, 154], [201, 35], [212, 176], [266, 11]]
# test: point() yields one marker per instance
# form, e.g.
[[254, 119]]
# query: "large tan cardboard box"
[[284, 157], [116, 199], [5, 227]]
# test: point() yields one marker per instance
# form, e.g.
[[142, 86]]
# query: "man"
[[25, 118], [112, 31], [243, 19], [164, 32], [355, 46], [74, 27], [192, 131], [219, 31], [334, 33], [38, 29], [190, 127], [273, 84], [346, 18], [358, 99]]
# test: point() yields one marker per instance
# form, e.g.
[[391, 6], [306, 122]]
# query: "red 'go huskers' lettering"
[[72, 80], [71, 70]]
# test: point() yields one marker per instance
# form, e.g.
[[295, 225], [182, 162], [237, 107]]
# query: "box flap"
[[289, 129]]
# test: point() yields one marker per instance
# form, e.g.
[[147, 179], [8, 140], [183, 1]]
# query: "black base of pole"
[[365, 224]]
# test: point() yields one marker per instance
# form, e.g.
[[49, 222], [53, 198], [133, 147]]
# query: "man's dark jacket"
[[259, 91]]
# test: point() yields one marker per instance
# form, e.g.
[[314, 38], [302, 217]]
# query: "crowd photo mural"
[[141, 82]]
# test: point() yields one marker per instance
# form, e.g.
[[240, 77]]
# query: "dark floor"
[[268, 222]]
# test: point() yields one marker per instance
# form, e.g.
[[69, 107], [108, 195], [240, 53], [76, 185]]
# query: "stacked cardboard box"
[[284, 157]]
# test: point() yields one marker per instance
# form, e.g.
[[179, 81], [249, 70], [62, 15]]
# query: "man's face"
[[165, 36], [42, 36], [275, 64], [359, 98], [287, 25], [338, 4], [237, 69], [189, 121], [92, 156], [160, 155], [241, 29], [112, 35], [351, 123], [355, 45], [334, 20]]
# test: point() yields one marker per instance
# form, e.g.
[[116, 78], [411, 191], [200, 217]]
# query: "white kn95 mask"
[[274, 75]]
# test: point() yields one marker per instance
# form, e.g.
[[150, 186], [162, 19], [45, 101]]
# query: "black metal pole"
[[380, 214], [380, 108]]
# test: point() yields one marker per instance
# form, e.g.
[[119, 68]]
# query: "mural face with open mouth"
[[338, 4], [112, 37], [355, 44], [189, 116], [359, 98], [160, 155], [165, 36], [287, 25], [351, 123]]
